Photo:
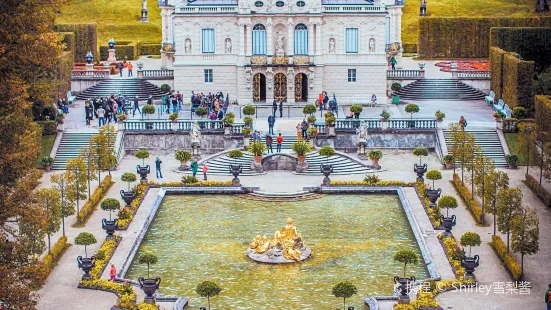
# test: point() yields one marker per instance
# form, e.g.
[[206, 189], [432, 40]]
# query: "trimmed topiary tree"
[[406, 257], [128, 177], [447, 202], [201, 112], [434, 175], [148, 258], [142, 154], [356, 109], [235, 154], [148, 109], [344, 290], [420, 151], [249, 110], [470, 239], [412, 108], [309, 109], [326, 151], [208, 289], [85, 239], [183, 157], [110, 204]]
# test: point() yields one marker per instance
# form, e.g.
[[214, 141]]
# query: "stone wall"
[[168, 142], [407, 140]]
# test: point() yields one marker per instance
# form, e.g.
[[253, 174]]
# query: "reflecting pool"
[[204, 237]]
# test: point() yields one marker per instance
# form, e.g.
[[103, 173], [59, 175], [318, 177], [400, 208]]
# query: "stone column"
[[290, 37], [249, 39], [241, 39], [269, 37], [318, 39], [311, 39]]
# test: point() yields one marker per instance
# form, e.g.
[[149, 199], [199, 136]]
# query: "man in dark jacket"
[[150, 100], [121, 66], [271, 122], [304, 127], [269, 141], [136, 106], [281, 108], [274, 107]]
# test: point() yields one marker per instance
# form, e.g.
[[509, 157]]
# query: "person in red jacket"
[[279, 141], [205, 169], [112, 273]]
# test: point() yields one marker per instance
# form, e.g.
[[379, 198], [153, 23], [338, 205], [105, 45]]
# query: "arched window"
[[301, 39], [259, 39]]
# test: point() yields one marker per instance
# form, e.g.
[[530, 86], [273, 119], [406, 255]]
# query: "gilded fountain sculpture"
[[287, 246]]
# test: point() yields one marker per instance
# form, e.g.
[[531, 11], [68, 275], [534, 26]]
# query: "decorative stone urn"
[[405, 285], [470, 263], [109, 227], [128, 197], [326, 170], [433, 195], [86, 264], [448, 223], [149, 286], [302, 165], [362, 150], [420, 171], [143, 172], [235, 170], [331, 130], [228, 130]]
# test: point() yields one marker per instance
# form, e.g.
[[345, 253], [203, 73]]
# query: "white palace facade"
[[290, 50]]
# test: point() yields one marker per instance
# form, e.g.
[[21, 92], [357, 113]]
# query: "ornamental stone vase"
[[149, 287], [326, 170], [235, 170], [86, 264], [448, 223], [109, 227], [420, 171], [470, 263], [405, 285], [128, 197], [143, 172], [331, 130], [433, 195], [228, 130]]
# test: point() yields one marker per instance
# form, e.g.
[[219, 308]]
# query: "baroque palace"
[[289, 50]]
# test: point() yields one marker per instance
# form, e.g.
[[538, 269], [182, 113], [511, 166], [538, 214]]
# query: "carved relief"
[[248, 77], [372, 45], [290, 77], [269, 78], [188, 46], [332, 46], [310, 75], [228, 46]]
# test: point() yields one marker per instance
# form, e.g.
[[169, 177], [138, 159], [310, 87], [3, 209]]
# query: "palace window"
[[259, 4], [208, 76], [301, 40], [351, 40], [301, 4], [259, 39], [280, 4], [351, 75], [208, 40]]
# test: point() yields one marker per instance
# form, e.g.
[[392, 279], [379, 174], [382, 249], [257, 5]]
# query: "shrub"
[[312, 132], [110, 204], [189, 179], [128, 177], [520, 113], [372, 179], [248, 120], [510, 262], [122, 117], [249, 110], [447, 202], [420, 151], [470, 239], [142, 154], [246, 131], [148, 109], [472, 205], [385, 114], [448, 159], [48, 127], [356, 108], [326, 151], [256, 148], [235, 154], [201, 111], [396, 86], [183, 156], [85, 239], [228, 120], [434, 175], [311, 119], [375, 154], [173, 116], [301, 147], [497, 115], [440, 115], [309, 109], [46, 161], [330, 120], [512, 159], [90, 205], [165, 88]]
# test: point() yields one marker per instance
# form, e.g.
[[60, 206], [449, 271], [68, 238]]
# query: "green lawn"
[[115, 19], [512, 142], [47, 145]]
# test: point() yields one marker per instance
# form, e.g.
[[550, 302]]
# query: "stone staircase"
[[428, 89], [488, 141], [126, 87], [69, 147], [277, 197]]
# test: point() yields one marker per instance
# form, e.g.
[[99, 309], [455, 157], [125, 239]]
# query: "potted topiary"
[[248, 121], [421, 168], [246, 136], [470, 239], [405, 257], [439, 115], [86, 264], [249, 110], [201, 112], [149, 285], [143, 170], [375, 155], [311, 120], [447, 202], [165, 88], [412, 108], [344, 290], [326, 169], [148, 110], [385, 115], [183, 157], [356, 109], [395, 87], [449, 161], [47, 162], [312, 133], [257, 149], [309, 109], [208, 289], [110, 204], [432, 194], [301, 148], [173, 117], [235, 169], [128, 196], [121, 117], [512, 160], [228, 121], [330, 123]]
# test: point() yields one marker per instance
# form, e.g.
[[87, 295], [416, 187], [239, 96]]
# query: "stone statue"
[[188, 46], [195, 134], [362, 132], [286, 241], [310, 75], [372, 45], [331, 46], [279, 43], [228, 46], [248, 76]]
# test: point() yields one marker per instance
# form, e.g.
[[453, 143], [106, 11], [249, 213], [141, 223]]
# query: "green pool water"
[[352, 237]]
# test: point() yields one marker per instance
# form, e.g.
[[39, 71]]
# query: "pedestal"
[[362, 152], [111, 57], [195, 151], [90, 67], [140, 73]]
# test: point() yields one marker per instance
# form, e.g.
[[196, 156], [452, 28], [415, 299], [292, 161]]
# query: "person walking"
[[274, 107], [271, 122], [205, 169], [194, 167], [121, 66], [174, 104], [112, 273], [158, 163], [269, 142], [299, 132], [150, 100], [281, 108], [548, 297], [279, 141], [101, 116], [87, 111], [393, 62], [462, 122], [136, 106], [304, 128], [129, 67]]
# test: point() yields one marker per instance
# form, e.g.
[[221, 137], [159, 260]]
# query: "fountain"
[[286, 246]]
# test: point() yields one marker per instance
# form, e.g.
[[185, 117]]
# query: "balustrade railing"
[[412, 124], [90, 74], [473, 75], [158, 73], [349, 8], [208, 9], [179, 125], [352, 124], [405, 74]]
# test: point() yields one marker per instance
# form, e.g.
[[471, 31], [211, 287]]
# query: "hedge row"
[[540, 191], [531, 43], [496, 70], [409, 47], [543, 113], [85, 38], [48, 127], [472, 205], [510, 262], [465, 37], [126, 50], [63, 74], [150, 49], [517, 82], [49, 261], [91, 204], [68, 38]]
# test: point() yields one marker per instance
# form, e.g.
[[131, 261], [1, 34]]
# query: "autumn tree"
[[97, 147], [495, 182], [62, 185], [86, 154], [464, 148], [77, 177], [49, 200], [527, 143], [483, 165], [29, 54], [526, 234], [509, 205]]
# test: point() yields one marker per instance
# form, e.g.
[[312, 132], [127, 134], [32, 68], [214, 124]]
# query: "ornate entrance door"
[[280, 87], [259, 87], [301, 87]]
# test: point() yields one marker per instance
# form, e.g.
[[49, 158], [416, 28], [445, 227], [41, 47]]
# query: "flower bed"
[[432, 213], [511, 263], [472, 205], [540, 191], [104, 255], [50, 260], [379, 183], [92, 203], [453, 252], [465, 65]]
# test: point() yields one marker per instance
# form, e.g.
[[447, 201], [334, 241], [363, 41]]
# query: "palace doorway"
[[301, 87], [280, 87], [259, 87]]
